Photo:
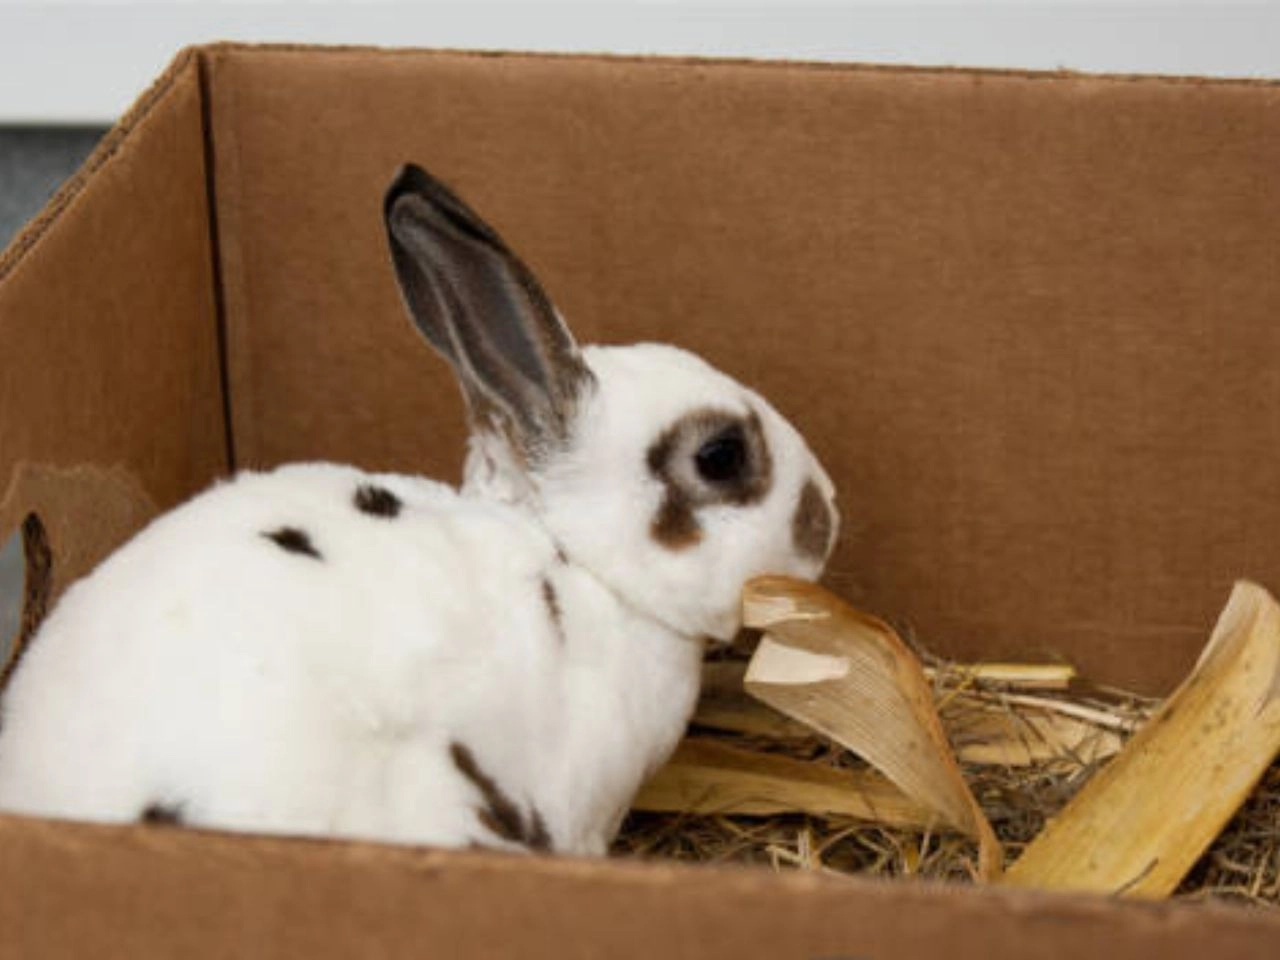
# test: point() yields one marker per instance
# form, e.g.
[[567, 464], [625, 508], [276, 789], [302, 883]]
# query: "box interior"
[[111, 402], [1026, 321], [1029, 326]]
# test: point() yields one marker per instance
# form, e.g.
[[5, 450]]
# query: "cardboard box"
[[1028, 321]]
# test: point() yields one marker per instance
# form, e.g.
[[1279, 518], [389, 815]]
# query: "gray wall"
[[33, 161]]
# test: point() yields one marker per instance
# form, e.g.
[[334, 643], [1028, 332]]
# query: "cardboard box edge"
[[27, 237], [238, 48], [155, 879]]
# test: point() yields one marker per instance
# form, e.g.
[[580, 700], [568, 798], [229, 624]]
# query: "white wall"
[[85, 61]]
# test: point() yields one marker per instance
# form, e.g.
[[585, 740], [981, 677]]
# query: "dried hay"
[[1025, 753]]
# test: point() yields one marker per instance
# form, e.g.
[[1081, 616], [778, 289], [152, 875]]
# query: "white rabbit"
[[317, 650]]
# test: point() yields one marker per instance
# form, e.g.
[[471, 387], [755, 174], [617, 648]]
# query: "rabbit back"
[[302, 650]]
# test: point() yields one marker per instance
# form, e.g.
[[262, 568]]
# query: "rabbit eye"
[[723, 457], [708, 457]]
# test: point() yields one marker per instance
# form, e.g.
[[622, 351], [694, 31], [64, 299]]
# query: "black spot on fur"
[[162, 814], [377, 501], [500, 814], [294, 541]]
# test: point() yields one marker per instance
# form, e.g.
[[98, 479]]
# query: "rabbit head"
[[667, 480]]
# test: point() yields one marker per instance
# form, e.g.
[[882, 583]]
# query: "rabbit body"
[[318, 650], [262, 688]]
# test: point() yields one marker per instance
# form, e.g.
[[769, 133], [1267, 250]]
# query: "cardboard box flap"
[[111, 373], [1028, 321], [138, 892]]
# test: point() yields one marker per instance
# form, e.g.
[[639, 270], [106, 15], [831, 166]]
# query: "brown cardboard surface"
[[108, 332], [1027, 320], [162, 892]]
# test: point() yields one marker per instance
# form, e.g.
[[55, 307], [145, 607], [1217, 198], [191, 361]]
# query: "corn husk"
[[1138, 826], [988, 721], [850, 677], [1027, 748], [708, 777]]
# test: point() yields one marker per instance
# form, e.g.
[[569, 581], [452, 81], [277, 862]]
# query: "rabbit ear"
[[483, 309]]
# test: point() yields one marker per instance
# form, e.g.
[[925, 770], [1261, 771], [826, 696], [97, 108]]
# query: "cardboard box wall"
[[1028, 321]]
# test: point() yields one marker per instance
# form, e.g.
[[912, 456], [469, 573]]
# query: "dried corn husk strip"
[[984, 732], [982, 726], [706, 777], [1080, 711], [1024, 676], [851, 678], [1140, 823]]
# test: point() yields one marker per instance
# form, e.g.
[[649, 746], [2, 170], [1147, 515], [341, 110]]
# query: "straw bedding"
[[1243, 865]]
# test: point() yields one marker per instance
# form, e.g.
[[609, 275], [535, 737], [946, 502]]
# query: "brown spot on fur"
[[672, 460], [659, 455], [551, 600], [674, 525], [500, 814], [812, 523]]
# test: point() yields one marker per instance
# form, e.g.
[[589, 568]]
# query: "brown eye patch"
[[707, 457]]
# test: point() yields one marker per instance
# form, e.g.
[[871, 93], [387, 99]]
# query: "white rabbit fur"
[[501, 665]]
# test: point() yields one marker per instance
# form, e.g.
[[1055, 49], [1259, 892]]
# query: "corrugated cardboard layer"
[[138, 892], [108, 331], [1027, 321]]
